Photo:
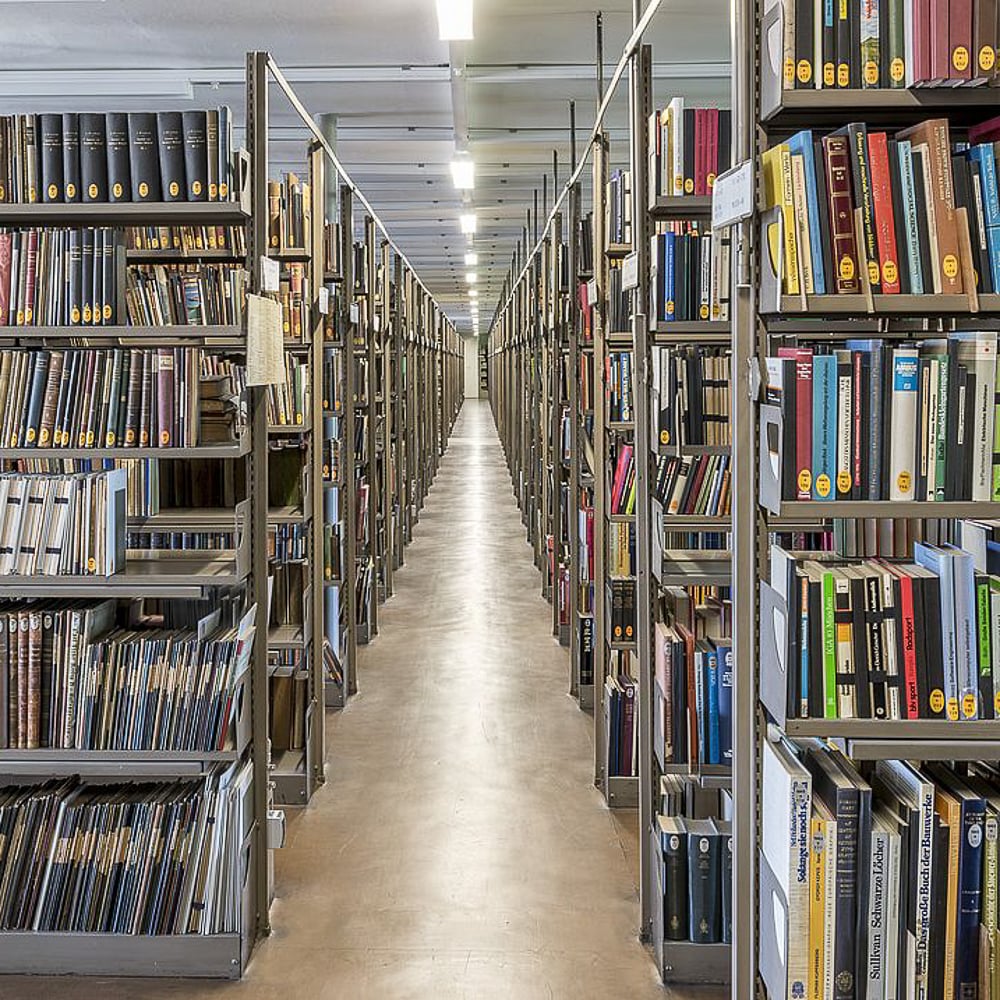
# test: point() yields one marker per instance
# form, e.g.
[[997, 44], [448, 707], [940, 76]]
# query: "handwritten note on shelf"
[[265, 346]]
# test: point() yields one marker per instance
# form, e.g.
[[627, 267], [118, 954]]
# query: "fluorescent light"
[[470, 277], [468, 223], [471, 259], [454, 20], [473, 293], [463, 173]]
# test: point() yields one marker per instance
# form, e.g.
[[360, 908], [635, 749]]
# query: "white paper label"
[[355, 313], [732, 196], [630, 271], [270, 275], [265, 342], [592, 292], [324, 300]]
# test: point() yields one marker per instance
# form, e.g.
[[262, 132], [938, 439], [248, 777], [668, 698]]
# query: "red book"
[[29, 281], [920, 71], [692, 694], [857, 480], [910, 701], [694, 486], [5, 252], [940, 67], [803, 417], [960, 55], [699, 151], [621, 477], [712, 139], [885, 223], [987, 131]]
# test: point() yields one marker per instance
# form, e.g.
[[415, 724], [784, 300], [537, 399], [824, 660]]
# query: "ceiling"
[[379, 67]]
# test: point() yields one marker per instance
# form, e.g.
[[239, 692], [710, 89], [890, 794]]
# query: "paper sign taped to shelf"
[[324, 300], [265, 346], [732, 196], [355, 313], [630, 272], [592, 292], [270, 275]]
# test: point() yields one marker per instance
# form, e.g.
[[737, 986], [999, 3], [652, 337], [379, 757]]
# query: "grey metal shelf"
[[229, 335], [140, 763], [705, 775], [236, 449], [621, 792], [686, 206], [689, 568], [913, 732], [691, 331], [171, 255], [883, 305], [807, 509], [147, 213], [286, 637]]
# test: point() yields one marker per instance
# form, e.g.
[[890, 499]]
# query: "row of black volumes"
[[85, 398], [621, 601], [585, 245], [881, 880], [58, 277], [180, 541], [186, 294], [70, 679], [699, 484], [287, 587], [874, 421], [618, 303], [333, 381], [618, 209], [330, 291], [894, 44], [124, 859], [62, 524], [287, 542], [620, 694], [688, 149], [289, 210], [690, 395], [618, 380], [696, 874], [331, 248], [690, 274], [693, 696], [289, 688], [586, 646], [929, 211], [188, 239], [880, 639], [118, 156], [296, 303], [331, 460], [331, 552], [287, 402]]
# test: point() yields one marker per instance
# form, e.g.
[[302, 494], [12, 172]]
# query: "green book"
[[829, 648]]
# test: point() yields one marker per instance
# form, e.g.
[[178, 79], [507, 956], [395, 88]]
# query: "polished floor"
[[459, 850]]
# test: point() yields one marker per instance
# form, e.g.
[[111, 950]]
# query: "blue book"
[[824, 443], [936, 560], [724, 676], [802, 143], [876, 412], [910, 201], [700, 706], [711, 660], [983, 155], [669, 279], [964, 575]]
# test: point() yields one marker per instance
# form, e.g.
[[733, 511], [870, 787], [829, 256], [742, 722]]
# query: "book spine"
[[838, 181], [884, 220], [71, 157]]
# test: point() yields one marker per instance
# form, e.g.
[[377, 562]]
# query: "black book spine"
[[675, 886], [71, 156], [689, 141], [923, 456], [861, 185], [703, 887], [859, 651], [119, 172], [75, 277], [934, 650], [899, 218], [823, 204], [923, 232], [170, 128], [143, 154], [805, 71], [93, 158], [48, 135], [968, 434], [939, 907], [87, 284], [854, 19], [196, 155], [842, 10], [980, 245]]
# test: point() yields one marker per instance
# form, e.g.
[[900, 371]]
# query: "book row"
[[696, 875], [921, 203], [881, 639], [693, 696], [618, 209], [873, 421], [288, 542], [621, 601], [296, 304], [623, 482], [620, 693], [892, 44], [878, 884], [287, 402], [690, 274], [117, 156], [114, 398], [186, 294], [618, 386], [688, 149], [289, 686], [188, 239], [124, 859], [620, 556], [690, 395], [70, 679], [694, 485], [62, 525], [289, 210]]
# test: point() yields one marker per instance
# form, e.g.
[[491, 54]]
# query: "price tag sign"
[[270, 275], [592, 292], [355, 312], [630, 272], [324, 300], [732, 196]]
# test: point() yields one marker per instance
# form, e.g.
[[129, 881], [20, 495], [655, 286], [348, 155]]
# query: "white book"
[[844, 478], [903, 423], [801, 209], [877, 903], [932, 435], [676, 111], [786, 800], [978, 352], [13, 512]]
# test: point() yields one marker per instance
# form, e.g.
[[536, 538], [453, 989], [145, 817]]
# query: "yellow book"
[[950, 811], [777, 168], [822, 901]]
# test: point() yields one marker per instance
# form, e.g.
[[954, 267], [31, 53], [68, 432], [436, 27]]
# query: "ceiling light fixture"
[[473, 293], [454, 20], [468, 223], [470, 277], [471, 259], [463, 173]]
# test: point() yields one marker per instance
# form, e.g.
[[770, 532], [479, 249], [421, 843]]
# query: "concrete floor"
[[459, 849]]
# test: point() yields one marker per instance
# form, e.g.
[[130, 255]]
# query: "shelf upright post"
[[600, 461], [257, 116], [398, 348], [386, 338], [312, 506], [556, 363], [573, 321], [374, 496], [348, 473], [641, 94]]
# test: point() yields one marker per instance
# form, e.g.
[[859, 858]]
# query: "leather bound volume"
[[196, 155], [673, 845], [960, 53], [121, 411], [805, 72], [48, 130], [704, 882], [984, 40], [939, 41], [885, 222], [836, 157], [4, 685], [12, 650], [935, 136], [6, 248], [170, 129], [861, 189], [134, 401], [84, 395], [93, 158], [700, 186], [71, 156], [75, 277], [119, 170], [35, 399], [87, 283], [54, 381], [690, 129], [212, 145], [97, 279], [22, 679], [45, 709], [109, 305], [145, 399], [34, 682], [274, 214], [143, 155], [165, 377], [919, 69], [712, 162]]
